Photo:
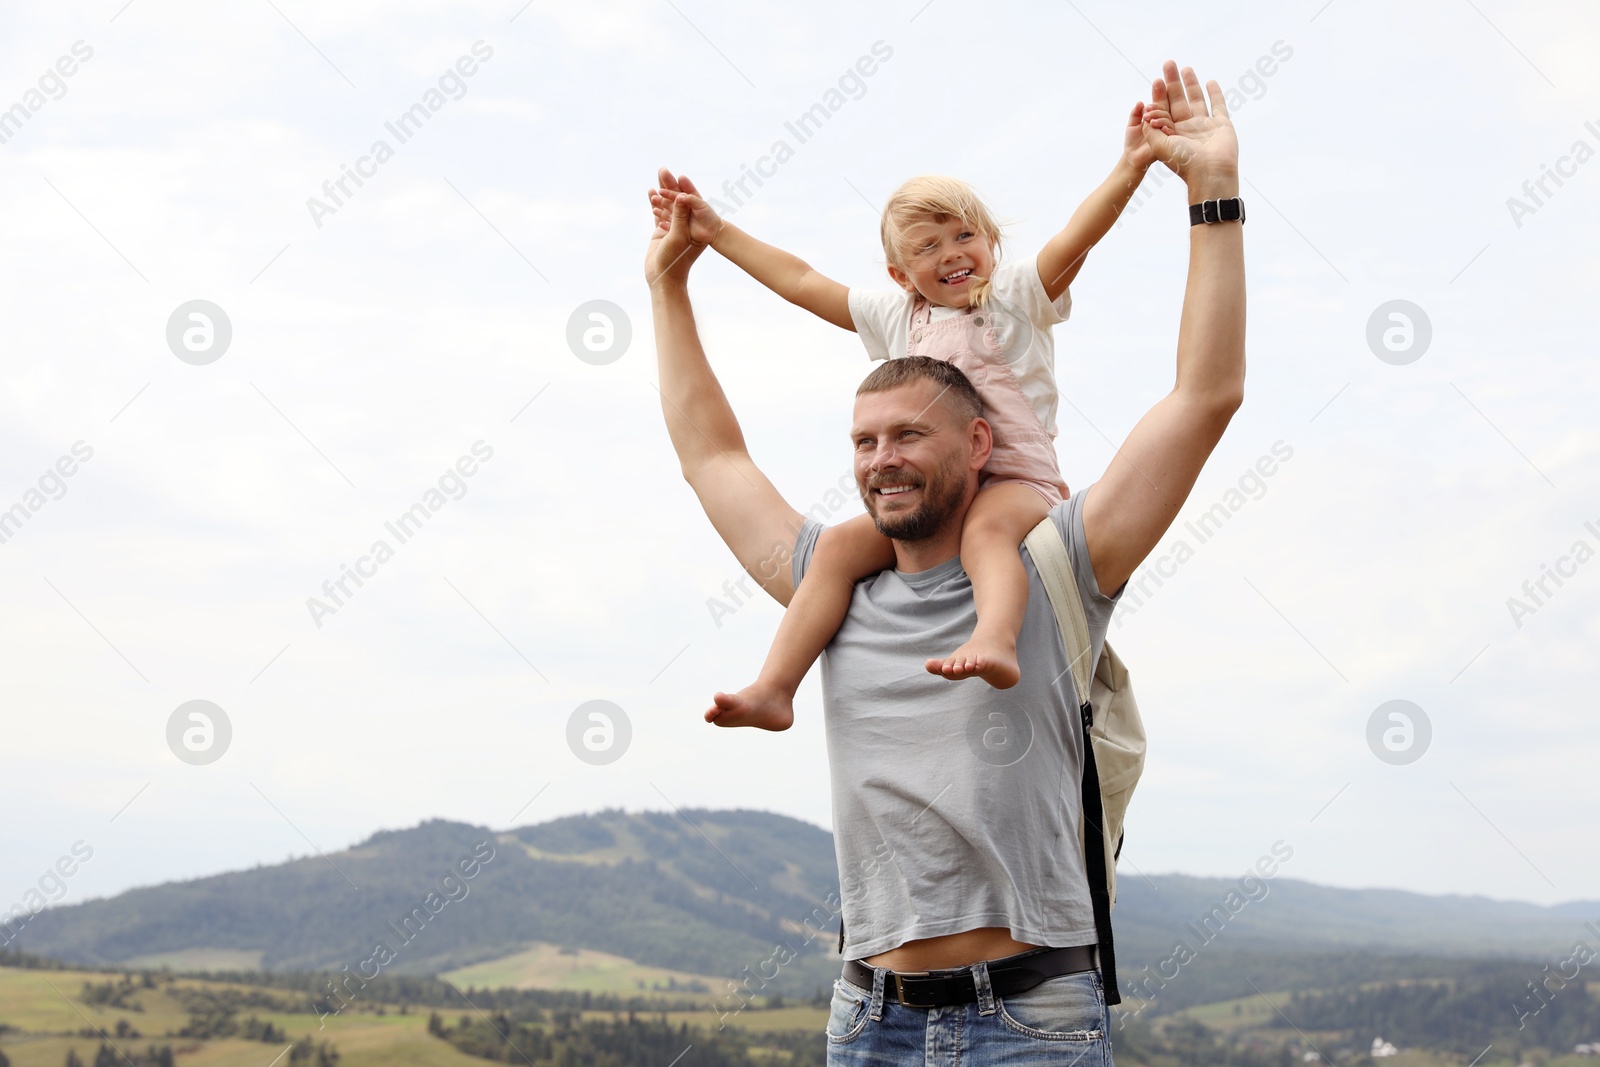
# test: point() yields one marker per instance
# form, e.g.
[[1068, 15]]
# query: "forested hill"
[[708, 892], [1284, 914]]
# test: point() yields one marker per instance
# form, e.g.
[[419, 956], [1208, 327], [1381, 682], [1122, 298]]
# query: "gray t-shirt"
[[955, 804]]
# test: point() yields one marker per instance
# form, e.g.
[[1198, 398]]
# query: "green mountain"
[[1157, 914], [708, 892]]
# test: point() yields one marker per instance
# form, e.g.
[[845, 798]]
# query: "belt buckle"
[[900, 989]]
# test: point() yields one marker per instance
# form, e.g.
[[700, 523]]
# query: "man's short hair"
[[955, 388]]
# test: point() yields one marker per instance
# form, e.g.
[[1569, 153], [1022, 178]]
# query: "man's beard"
[[942, 495]]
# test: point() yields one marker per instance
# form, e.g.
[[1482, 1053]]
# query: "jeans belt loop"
[[876, 1010], [980, 980]]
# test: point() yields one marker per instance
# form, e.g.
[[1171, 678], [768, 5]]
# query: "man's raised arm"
[[755, 522], [1150, 477]]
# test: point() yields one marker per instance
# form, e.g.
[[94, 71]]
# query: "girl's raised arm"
[[785, 274], [1062, 256]]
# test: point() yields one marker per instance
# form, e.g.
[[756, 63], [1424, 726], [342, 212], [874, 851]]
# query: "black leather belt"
[[1007, 976]]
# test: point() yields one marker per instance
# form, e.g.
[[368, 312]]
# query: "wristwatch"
[[1229, 210]]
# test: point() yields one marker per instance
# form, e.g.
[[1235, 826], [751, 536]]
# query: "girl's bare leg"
[[844, 555], [997, 522]]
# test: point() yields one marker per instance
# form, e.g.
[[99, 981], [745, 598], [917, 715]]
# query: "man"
[[952, 860]]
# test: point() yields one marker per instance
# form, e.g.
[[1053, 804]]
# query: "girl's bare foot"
[[763, 707], [993, 661]]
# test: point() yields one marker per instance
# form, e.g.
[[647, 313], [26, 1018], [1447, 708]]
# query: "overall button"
[[917, 336], [978, 321]]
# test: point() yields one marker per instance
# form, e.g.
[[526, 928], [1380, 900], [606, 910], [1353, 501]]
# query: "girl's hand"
[[1136, 150], [704, 222]]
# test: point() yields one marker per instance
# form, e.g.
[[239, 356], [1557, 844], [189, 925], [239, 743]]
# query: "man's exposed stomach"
[[951, 950]]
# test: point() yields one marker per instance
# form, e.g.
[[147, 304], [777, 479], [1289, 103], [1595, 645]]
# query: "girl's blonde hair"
[[933, 198]]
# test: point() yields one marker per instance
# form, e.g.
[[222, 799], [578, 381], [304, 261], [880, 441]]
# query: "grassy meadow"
[[43, 1015], [47, 1013], [547, 966]]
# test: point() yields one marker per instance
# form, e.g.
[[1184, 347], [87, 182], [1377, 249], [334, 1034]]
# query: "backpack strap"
[[1054, 564]]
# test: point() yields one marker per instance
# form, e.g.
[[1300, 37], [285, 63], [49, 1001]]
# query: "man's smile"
[[894, 489]]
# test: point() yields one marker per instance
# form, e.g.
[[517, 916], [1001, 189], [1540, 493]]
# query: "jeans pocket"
[[1069, 1007], [847, 1014]]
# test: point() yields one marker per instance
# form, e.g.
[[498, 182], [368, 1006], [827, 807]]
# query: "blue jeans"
[[1062, 1020]]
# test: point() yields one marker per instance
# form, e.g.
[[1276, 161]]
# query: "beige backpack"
[[1114, 741]]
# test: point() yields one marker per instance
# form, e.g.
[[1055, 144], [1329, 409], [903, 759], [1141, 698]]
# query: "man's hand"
[[704, 222], [1197, 145], [672, 251]]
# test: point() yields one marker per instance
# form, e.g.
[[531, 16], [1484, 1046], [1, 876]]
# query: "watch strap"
[[1230, 209]]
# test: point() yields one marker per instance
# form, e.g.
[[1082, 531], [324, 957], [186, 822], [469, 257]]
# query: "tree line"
[[1460, 1015], [633, 1042]]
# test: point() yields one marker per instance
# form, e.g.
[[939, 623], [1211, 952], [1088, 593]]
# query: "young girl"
[[955, 302]]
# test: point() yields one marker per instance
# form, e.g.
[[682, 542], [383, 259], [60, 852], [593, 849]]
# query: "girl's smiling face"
[[942, 260]]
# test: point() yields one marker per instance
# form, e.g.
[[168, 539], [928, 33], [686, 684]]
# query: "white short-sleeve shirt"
[[1022, 310]]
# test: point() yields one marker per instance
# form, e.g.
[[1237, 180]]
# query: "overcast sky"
[[381, 335]]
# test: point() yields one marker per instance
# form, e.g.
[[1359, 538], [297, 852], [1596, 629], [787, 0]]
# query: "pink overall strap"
[[921, 315]]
